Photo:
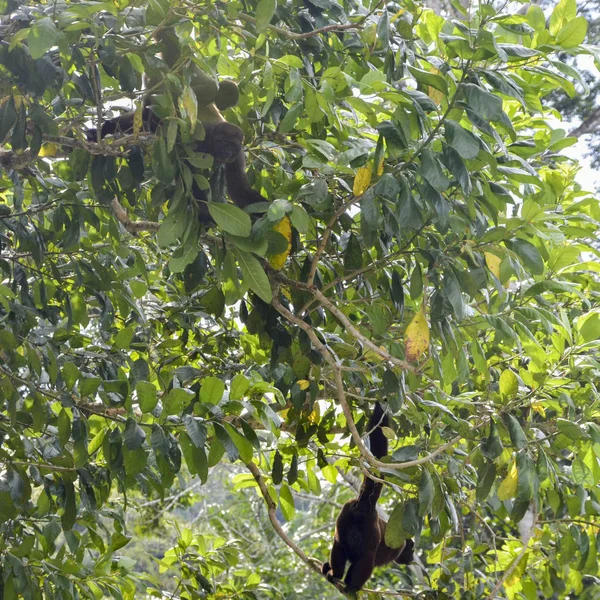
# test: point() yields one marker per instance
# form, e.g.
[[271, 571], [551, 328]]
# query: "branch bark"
[[132, 226]]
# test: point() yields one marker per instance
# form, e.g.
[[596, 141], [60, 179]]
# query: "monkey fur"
[[359, 530], [223, 140]]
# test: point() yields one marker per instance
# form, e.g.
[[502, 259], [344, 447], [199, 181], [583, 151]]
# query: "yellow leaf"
[[284, 227], [508, 488], [416, 337], [362, 180], [137, 119], [303, 384], [493, 263], [538, 407], [435, 95], [48, 150], [315, 415], [380, 167]]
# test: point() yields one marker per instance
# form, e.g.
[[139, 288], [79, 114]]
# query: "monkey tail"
[[371, 490]]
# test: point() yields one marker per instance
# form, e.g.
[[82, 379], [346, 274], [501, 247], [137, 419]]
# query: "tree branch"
[[132, 226]]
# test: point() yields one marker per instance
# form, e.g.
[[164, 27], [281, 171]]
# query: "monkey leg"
[[334, 569], [360, 571], [407, 555]]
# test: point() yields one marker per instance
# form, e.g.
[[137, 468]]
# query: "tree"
[[426, 245]]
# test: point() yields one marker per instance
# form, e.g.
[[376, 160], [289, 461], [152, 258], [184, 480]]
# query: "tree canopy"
[[426, 245]]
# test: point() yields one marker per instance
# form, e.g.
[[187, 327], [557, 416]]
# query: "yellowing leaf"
[[284, 227], [303, 384], [508, 385], [48, 149], [416, 337], [493, 263], [435, 95], [314, 416], [508, 488], [137, 119], [538, 407], [380, 167], [362, 180]]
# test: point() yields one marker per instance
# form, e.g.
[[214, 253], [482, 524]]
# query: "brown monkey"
[[359, 530]]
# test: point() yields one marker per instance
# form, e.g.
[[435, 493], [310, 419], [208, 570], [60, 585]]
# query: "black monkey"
[[359, 530]]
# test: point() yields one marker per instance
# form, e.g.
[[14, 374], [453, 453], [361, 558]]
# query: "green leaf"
[[195, 430], [570, 429], [239, 386], [69, 510], [227, 443], [300, 219], [254, 276], [517, 435], [64, 427], [395, 535], [292, 475], [184, 255], [426, 493], [485, 479], [88, 386], [123, 338], [212, 390], [352, 255], [286, 502], [177, 400], [564, 11], [487, 106], [133, 436], [163, 166], [70, 374], [492, 446], [431, 170], [172, 227], [462, 140], [536, 18], [573, 33], [528, 253], [243, 446], [288, 122], [426, 78], [277, 469], [146, 396], [264, 13], [230, 218], [42, 36]]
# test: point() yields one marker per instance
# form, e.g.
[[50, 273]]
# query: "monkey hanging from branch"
[[359, 530]]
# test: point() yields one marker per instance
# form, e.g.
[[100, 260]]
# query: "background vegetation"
[[443, 259]]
